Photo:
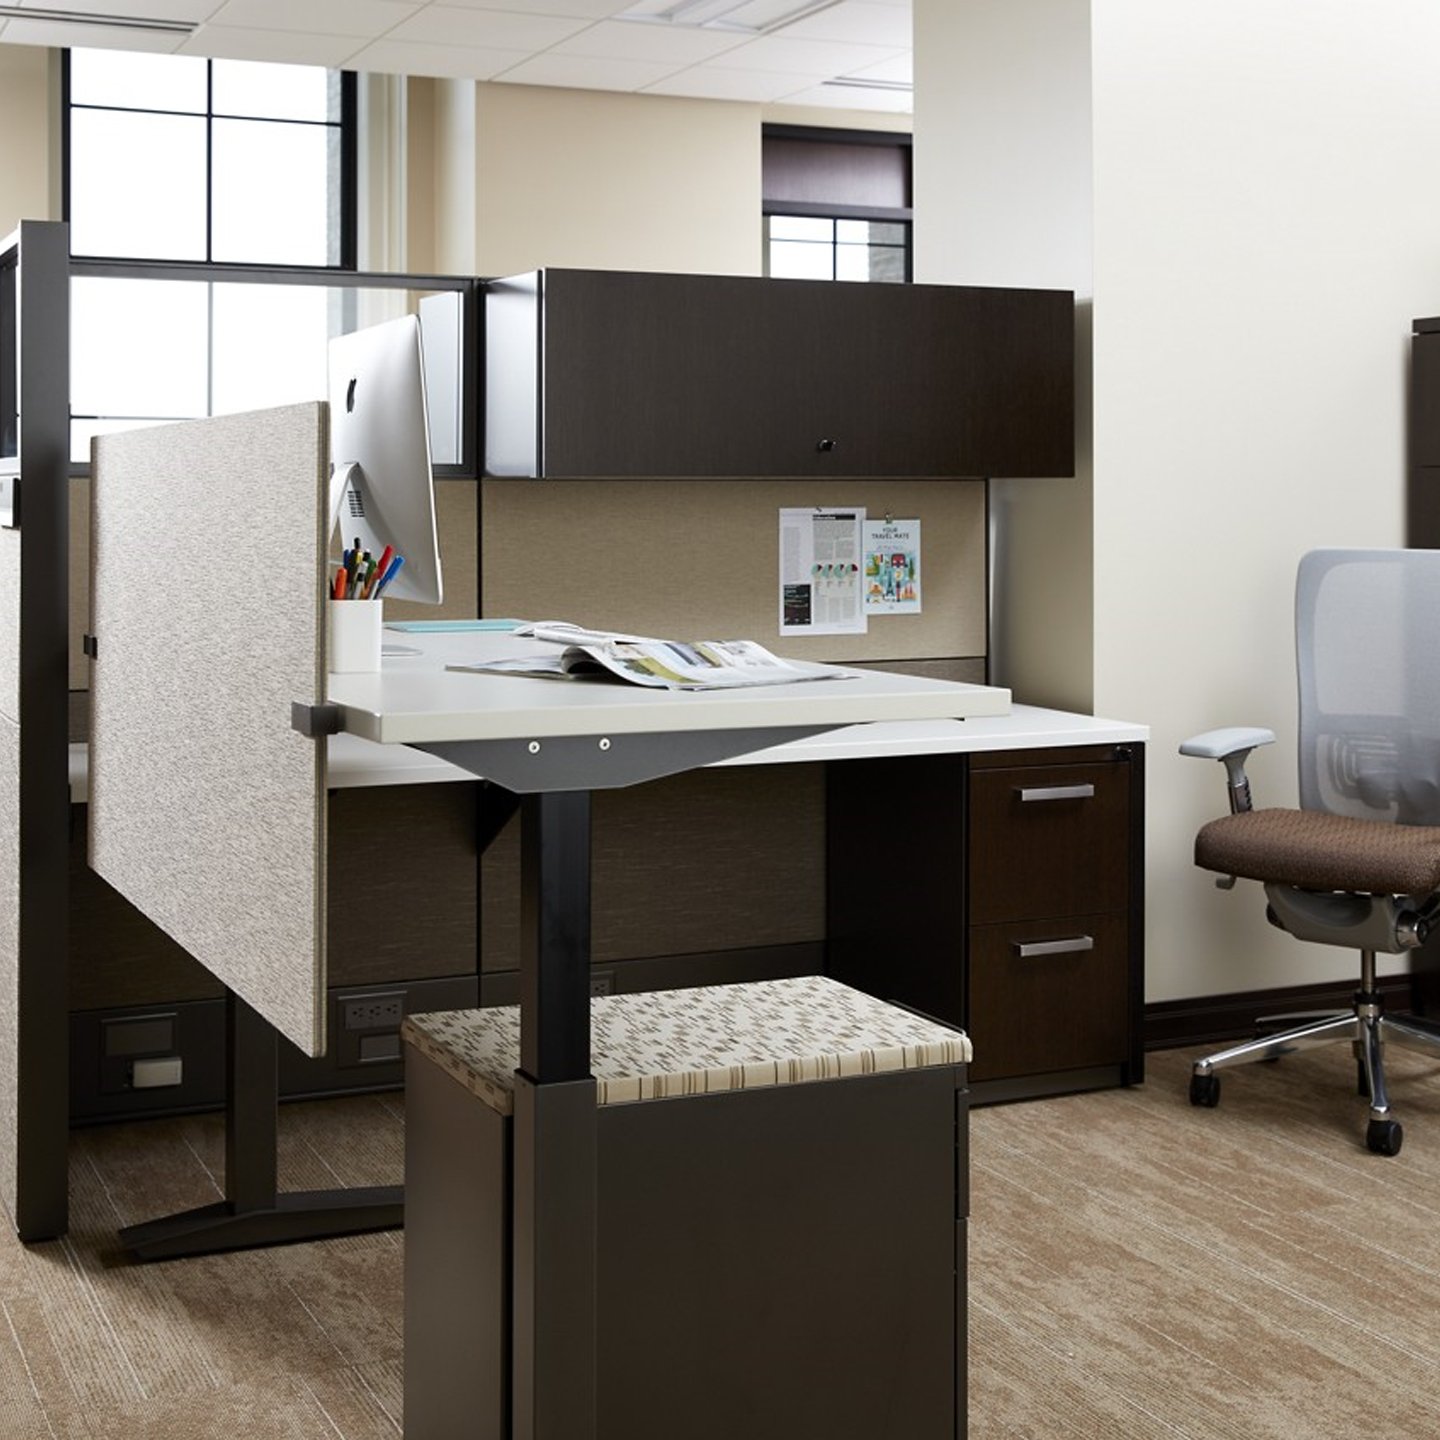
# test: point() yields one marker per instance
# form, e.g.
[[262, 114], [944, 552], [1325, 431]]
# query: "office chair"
[[1359, 863]]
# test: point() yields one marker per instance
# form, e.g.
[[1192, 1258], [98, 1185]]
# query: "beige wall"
[[25, 152], [607, 181], [1002, 197]]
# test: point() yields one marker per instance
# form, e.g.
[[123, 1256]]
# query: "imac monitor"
[[381, 488]]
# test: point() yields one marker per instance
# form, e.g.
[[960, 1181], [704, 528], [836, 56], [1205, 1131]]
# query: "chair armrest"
[[1230, 746], [1217, 744]]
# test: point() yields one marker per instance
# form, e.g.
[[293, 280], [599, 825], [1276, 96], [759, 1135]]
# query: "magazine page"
[[661, 664]]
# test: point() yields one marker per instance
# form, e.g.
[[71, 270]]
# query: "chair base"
[[1366, 1027]]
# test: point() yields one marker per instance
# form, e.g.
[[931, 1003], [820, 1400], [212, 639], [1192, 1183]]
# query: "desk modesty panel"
[[207, 810]]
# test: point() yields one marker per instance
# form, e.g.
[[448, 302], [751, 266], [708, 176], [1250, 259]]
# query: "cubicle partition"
[[206, 809], [34, 781]]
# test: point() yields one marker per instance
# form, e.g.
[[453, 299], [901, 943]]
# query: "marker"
[[338, 589], [389, 575]]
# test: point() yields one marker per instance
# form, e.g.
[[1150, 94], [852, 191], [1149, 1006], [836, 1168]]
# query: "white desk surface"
[[415, 700], [355, 761]]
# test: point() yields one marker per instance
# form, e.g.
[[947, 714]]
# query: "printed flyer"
[[892, 567], [820, 589]]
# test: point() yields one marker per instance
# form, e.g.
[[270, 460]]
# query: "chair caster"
[[1384, 1137], [1205, 1090]]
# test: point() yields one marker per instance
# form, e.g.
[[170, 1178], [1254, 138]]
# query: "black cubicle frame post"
[[38, 478]]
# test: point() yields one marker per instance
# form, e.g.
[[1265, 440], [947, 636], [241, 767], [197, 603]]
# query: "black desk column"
[[554, 1128]]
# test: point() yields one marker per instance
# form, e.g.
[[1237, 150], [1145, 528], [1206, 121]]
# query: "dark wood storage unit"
[[620, 375], [1024, 925], [1422, 500]]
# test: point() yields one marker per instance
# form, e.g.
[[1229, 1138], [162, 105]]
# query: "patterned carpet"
[[1138, 1269]]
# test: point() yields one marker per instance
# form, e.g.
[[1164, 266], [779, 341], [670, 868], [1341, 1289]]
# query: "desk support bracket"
[[253, 1213], [606, 762]]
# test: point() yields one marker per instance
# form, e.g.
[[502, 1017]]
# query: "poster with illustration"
[[891, 569]]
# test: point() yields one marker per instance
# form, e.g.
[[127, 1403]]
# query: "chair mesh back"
[[1369, 691]]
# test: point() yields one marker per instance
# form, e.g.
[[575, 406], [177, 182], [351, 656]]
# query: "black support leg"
[[253, 1212], [555, 1130]]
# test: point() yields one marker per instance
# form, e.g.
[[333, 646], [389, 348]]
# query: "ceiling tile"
[[63, 35], [849, 97], [705, 82], [822, 58], [860, 22], [900, 69], [191, 10], [490, 29], [625, 40], [370, 18], [580, 72], [291, 47], [453, 62], [570, 9]]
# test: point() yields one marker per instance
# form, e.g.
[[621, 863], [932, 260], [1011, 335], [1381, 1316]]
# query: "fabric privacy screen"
[[207, 811]]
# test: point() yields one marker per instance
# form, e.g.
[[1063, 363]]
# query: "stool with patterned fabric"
[[782, 1178]]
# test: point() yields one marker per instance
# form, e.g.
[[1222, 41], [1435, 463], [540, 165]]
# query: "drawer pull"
[[1028, 949], [1056, 792]]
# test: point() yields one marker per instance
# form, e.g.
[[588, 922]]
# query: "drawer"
[[1048, 995], [1048, 840]]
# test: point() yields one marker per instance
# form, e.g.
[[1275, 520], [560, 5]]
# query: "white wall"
[[25, 158], [1265, 230], [1263, 233], [1002, 197]]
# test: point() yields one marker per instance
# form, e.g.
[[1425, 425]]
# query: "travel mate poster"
[[820, 555], [891, 568]]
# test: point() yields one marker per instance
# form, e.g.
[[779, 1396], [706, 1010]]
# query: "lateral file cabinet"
[[1024, 925]]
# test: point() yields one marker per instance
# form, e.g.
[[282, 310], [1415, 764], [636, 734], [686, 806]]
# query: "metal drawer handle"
[[1056, 792], [1028, 949]]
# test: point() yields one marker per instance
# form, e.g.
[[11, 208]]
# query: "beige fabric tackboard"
[[697, 559], [9, 950], [206, 809]]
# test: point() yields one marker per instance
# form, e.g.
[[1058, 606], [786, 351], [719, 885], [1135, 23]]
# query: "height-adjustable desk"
[[550, 744]]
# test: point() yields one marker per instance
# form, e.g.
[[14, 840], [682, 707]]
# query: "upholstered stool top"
[[1319, 851], [692, 1042]]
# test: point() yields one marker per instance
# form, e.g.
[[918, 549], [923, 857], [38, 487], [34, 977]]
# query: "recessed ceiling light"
[[744, 17], [855, 82], [79, 17]]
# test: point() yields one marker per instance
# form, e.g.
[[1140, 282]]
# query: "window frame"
[[825, 210], [348, 126]]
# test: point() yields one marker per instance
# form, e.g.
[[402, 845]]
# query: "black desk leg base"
[[252, 1212], [299, 1215]]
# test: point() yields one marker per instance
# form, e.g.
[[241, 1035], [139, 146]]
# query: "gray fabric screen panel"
[[207, 811]]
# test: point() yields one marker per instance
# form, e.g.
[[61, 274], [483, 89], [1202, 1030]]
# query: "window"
[[836, 204], [169, 157]]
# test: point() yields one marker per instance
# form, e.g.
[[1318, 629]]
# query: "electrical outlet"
[[384, 1009], [602, 982]]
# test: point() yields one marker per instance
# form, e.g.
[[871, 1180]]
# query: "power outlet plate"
[[382, 1010]]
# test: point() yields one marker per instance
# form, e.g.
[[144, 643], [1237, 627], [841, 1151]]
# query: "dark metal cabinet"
[[1422, 508], [1002, 892], [622, 375]]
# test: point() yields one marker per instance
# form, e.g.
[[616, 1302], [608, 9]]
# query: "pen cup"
[[352, 635]]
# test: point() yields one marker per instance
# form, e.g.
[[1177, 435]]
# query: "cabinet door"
[[1048, 995], [1048, 840], [685, 375]]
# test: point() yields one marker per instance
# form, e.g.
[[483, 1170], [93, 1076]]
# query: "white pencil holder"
[[352, 635]]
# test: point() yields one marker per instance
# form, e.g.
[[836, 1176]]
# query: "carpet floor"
[[1138, 1269]]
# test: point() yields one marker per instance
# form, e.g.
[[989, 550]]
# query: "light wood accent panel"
[[206, 809], [698, 561]]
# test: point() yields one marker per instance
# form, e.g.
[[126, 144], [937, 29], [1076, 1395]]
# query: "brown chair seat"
[[1319, 851]]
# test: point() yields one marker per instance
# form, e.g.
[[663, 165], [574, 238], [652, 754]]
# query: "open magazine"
[[640, 660]]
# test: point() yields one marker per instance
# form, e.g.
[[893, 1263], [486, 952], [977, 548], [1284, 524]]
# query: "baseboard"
[[1207, 1018], [144, 1062]]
